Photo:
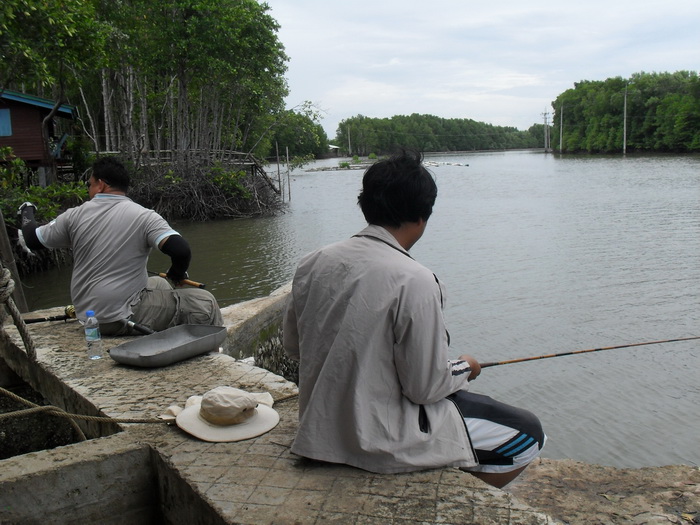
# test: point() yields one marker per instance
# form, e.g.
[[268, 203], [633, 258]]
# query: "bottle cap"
[[90, 313]]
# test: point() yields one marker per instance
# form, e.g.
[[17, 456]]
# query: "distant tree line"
[[647, 112], [362, 135], [188, 76]]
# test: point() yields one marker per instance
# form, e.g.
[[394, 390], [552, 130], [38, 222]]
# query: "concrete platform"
[[155, 473]]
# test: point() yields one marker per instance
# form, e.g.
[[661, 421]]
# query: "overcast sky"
[[497, 61]]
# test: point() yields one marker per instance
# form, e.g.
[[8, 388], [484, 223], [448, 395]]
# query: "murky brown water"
[[541, 255]]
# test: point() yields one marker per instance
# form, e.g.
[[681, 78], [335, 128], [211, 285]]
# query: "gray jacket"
[[365, 321]]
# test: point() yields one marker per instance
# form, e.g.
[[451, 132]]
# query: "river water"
[[541, 254]]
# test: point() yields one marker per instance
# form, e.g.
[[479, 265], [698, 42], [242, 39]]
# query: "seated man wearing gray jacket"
[[377, 387]]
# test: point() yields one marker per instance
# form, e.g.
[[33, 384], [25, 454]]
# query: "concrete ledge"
[[103, 481], [45, 376], [253, 481], [260, 481], [253, 322]]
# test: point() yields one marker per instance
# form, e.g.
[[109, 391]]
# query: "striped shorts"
[[504, 437]]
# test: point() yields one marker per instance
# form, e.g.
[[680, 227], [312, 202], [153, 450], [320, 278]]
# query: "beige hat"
[[228, 414]]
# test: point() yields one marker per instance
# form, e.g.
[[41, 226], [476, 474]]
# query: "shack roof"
[[64, 110]]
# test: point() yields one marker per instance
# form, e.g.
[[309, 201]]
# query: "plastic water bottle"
[[93, 336]]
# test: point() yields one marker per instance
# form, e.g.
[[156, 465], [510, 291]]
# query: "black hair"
[[112, 172], [397, 190]]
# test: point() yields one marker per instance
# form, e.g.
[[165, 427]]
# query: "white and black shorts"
[[504, 437]]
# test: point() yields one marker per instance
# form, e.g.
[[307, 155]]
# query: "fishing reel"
[[68, 313]]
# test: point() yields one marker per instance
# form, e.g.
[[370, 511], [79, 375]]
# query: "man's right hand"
[[27, 226], [473, 365], [25, 213]]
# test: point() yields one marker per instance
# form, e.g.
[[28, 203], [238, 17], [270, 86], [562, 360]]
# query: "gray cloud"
[[501, 62]]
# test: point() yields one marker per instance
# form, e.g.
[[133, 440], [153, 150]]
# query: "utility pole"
[[624, 124], [546, 131], [561, 128]]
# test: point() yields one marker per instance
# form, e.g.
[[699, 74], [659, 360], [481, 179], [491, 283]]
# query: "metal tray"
[[169, 346]]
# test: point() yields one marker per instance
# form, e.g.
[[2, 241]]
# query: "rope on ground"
[[12, 395], [7, 286], [56, 411], [287, 397]]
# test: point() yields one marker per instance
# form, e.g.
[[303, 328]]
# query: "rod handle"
[[188, 282], [139, 327]]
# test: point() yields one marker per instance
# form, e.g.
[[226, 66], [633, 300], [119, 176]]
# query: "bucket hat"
[[228, 414]]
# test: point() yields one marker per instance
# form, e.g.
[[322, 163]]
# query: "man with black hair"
[[377, 389], [111, 237]]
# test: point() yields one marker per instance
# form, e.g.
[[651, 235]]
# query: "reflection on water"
[[238, 260], [540, 255], [245, 259]]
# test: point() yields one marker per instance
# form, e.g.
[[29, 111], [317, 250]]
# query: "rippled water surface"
[[540, 254]]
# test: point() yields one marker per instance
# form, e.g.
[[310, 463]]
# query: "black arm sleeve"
[[178, 249], [29, 227]]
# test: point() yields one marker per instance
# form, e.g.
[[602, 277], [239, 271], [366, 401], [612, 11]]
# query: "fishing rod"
[[184, 281], [574, 352], [69, 313]]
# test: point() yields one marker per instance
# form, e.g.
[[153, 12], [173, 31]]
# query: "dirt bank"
[[578, 493]]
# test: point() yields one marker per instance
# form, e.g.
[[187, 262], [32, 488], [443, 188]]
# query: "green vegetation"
[[17, 186], [187, 76], [663, 114], [300, 134], [174, 87], [193, 76], [176, 76], [49, 44], [204, 192], [429, 133], [49, 200], [186, 82]]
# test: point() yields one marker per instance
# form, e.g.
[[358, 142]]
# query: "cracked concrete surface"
[[134, 471]]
